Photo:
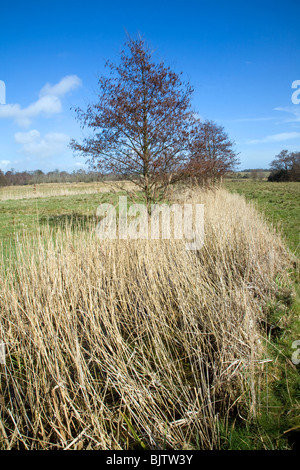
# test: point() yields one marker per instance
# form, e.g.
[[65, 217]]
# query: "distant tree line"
[[285, 167], [13, 178]]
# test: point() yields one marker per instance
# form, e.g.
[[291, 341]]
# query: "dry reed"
[[135, 344]]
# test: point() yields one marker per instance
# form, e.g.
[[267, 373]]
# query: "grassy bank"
[[280, 202], [278, 421], [21, 216], [137, 344]]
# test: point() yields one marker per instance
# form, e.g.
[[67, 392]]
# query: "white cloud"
[[293, 110], [5, 162], [69, 83], [25, 138], [48, 104], [34, 145], [283, 136]]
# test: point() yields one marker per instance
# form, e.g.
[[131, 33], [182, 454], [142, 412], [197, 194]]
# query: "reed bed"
[[136, 344]]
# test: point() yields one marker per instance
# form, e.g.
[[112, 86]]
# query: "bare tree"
[[212, 153], [285, 167], [295, 169], [282, 161], [141, 122], [3, 181]]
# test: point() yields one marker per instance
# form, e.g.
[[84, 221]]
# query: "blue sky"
[[241, 59]]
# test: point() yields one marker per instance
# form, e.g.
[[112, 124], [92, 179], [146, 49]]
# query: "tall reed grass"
[[136, 344]]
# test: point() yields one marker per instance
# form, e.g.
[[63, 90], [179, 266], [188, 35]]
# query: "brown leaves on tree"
[[144, 128], [212, 153], [285, 167]]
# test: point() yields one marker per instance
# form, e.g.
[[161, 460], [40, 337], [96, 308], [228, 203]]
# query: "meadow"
[[280, 202], [45, 190], [141, 344], [25, 209]]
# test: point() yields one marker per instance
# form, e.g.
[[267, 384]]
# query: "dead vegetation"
[[136, 344]]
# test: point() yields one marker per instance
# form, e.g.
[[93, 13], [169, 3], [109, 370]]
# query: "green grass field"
[[29, 215], [280, 417], [280, 202]]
